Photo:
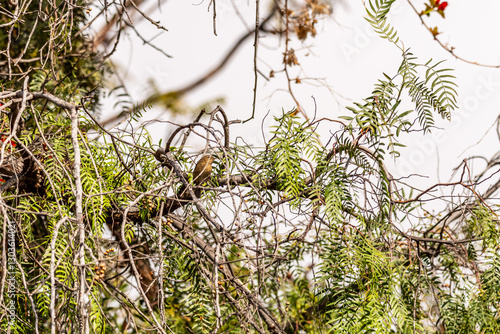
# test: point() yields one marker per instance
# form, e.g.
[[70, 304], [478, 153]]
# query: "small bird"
[[203, 169], [160, 154], [201, 173]]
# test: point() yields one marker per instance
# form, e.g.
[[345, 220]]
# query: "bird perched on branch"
[[201, 173], [203, 169]]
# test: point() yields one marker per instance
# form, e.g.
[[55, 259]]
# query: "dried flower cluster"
[[303, 23]]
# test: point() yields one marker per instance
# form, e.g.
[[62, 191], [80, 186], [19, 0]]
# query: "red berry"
[[437, 2], [443, 6]]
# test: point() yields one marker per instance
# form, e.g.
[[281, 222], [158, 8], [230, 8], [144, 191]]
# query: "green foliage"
[[380, 116], [377, 17], [361, 289], [334, 193], [482, 223], [436, 92], [291, 142], [66, 66]]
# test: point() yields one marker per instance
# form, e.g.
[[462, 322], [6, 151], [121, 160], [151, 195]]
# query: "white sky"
[[471, 27]]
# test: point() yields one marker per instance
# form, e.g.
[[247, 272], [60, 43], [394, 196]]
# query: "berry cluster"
[[441, 6]]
